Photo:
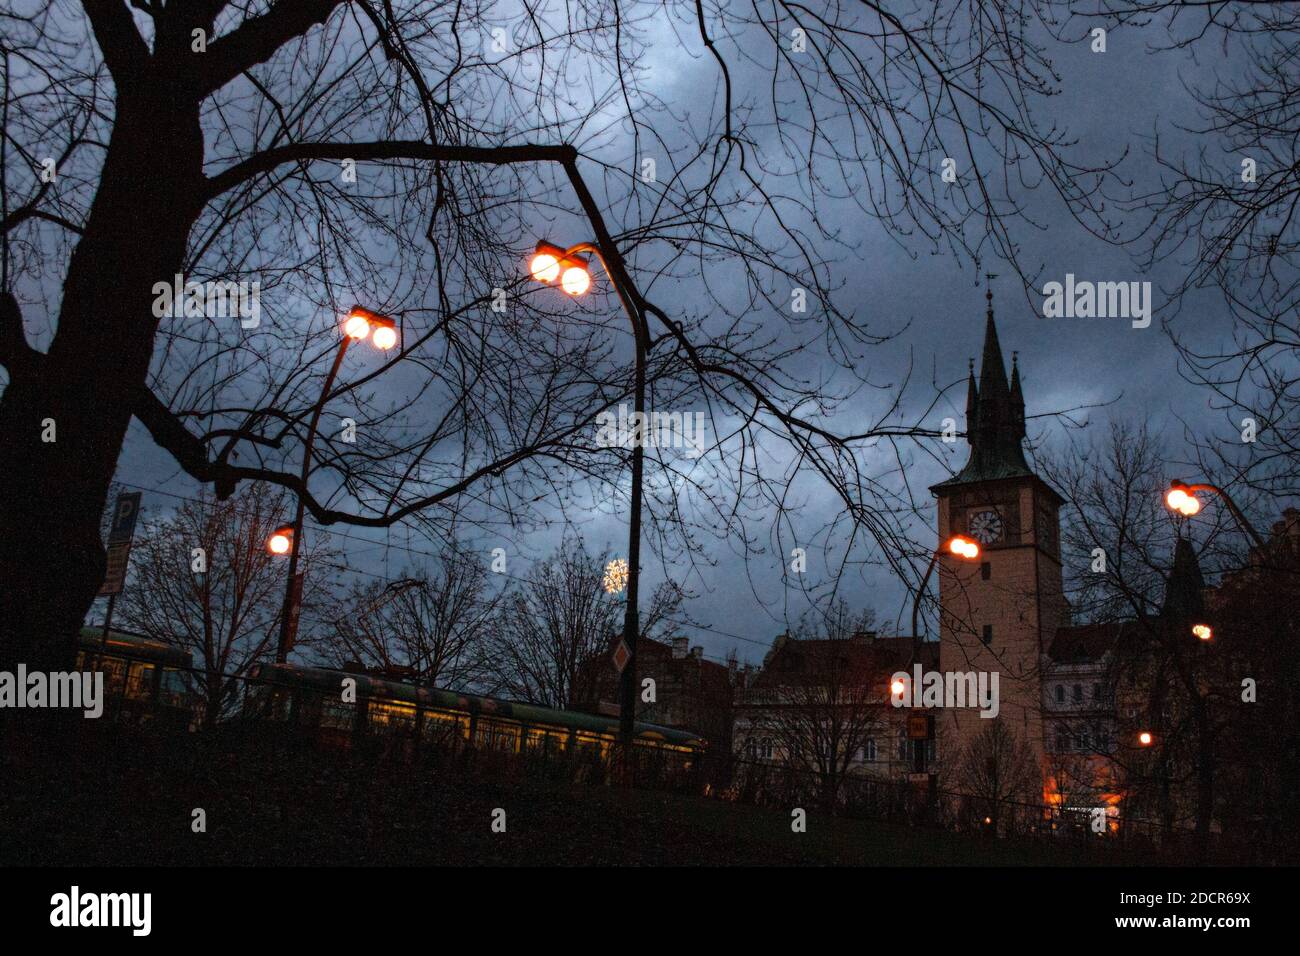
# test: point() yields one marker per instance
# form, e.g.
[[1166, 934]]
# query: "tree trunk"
[[51, 556]]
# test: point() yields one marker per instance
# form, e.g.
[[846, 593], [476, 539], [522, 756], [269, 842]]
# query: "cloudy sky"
[[1108, 103]]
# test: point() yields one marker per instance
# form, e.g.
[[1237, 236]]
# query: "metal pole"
[[108, 619], [282, 645], [631, 616], [1233, 510], [916, 606]]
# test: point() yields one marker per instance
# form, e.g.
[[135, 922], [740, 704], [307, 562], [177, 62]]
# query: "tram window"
[[139, 682], [491, 735], [114, 674], [174, 687], [335, 714], [544, 741], [393, 718], [440, 725]]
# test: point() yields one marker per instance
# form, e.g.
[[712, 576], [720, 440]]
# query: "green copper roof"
[[995, 418]]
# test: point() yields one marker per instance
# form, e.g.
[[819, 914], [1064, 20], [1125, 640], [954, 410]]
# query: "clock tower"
[[1000, 612]]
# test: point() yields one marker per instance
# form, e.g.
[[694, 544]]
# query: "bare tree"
[[403, 155], [431, 626], [556, 621], [1153, 580], [821, 697], [998, 770], [202, 580]]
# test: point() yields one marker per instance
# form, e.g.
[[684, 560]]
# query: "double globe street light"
[[552, 264], [359, 324]]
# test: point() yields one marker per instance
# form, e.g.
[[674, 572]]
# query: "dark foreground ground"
[[133, 802]]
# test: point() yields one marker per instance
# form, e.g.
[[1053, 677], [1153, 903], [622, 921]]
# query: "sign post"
[[120, 533]]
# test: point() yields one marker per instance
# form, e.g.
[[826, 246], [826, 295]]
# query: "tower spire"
[[995, 416]]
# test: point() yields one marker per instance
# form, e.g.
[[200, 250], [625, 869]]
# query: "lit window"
[[139, 682]]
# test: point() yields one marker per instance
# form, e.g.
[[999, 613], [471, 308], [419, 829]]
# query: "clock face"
[[986, 526]]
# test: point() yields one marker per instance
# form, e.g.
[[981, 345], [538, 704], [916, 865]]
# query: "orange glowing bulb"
[[545, 267], [357, 327], [576, 280], [279, 543], [897, 688], [1145, 738], [1203, 631]]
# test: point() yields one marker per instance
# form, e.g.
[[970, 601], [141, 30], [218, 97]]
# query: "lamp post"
[[549, 264], [359, 325], [1181, 497], [958, 545]]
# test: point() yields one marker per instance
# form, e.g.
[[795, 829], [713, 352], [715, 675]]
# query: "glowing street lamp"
[[958, 545], [361, 324], [1145, 738], [1203, 631], [281, 540], [963, 547], [358, 325], [549, 264], [897, 687], [1181, 500], [1181, 497]]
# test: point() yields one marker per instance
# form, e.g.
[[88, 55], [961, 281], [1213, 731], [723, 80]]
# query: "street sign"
[[920, 726], [621, 655], [120, 532]]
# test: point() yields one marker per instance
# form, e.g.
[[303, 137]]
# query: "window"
[[765, 748], [175, 687], [869, 750], [139, 682], [1077, 693], [392, 717], [988, 635], [986, 571], [335, 714], [1060, 693], [1096, 692], [1062, 742]]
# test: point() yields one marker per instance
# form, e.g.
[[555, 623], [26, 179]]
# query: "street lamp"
[[281, 540], [959, 546], [548, 264], [1203, 631], [358, 325], [1145, 738], [1181, 497]]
